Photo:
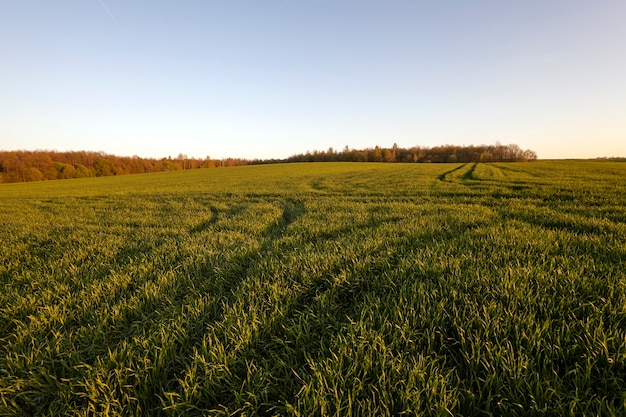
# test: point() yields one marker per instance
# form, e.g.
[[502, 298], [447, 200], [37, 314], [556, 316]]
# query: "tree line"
[[416, 154], [23, 166]]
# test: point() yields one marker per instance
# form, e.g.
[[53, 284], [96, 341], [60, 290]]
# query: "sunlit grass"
[[317, 289]]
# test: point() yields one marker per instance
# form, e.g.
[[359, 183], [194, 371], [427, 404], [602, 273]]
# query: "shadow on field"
[[291, 211], [469, 175], [446, 175], [370, 224], [205, 225], [236, 269], [215, 215], [285, 343], [215, 285], [233, 271], [574, 224]]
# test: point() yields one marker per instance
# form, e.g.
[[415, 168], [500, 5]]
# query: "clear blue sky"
[[262, 79]]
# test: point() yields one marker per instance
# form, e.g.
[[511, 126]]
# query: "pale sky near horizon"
[[268, 79]]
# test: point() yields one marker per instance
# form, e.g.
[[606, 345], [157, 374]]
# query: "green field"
[[317, 290]]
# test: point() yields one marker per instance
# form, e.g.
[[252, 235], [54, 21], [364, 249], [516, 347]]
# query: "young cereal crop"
[[332, 289]]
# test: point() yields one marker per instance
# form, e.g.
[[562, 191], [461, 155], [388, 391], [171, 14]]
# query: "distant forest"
[[24, 166], [437, 154]]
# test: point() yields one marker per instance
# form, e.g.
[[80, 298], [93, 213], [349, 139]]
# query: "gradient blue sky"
[[263, 79]]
